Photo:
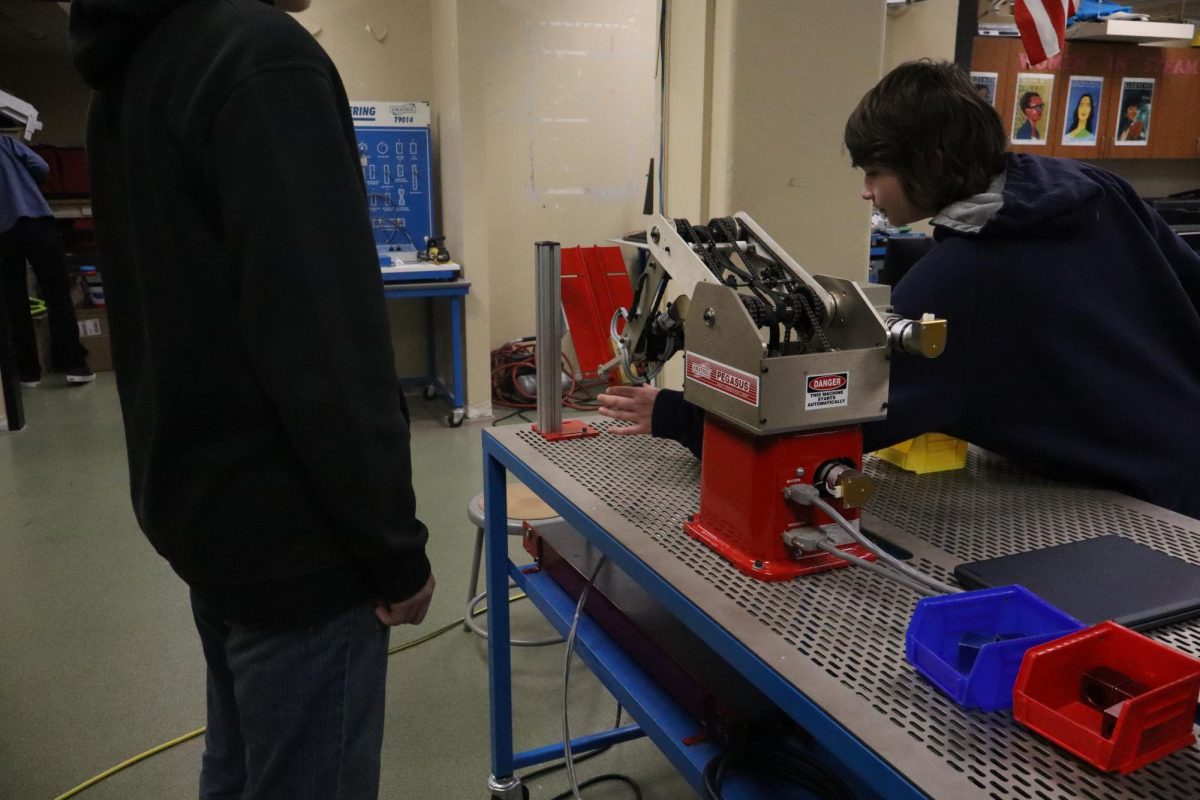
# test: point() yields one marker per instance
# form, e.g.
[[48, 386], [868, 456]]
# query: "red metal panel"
[[594, 285], [52, 186], [72, 162]]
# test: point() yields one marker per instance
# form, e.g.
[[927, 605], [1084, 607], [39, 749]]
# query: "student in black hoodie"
[[268, 446], [1073, 310]]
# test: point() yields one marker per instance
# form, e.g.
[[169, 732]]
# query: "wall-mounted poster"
[[1133, 118], [1031, 111], [985, 84], [1083, 110]]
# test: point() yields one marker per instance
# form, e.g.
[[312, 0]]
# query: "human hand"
[[406, 612], [629, 404]]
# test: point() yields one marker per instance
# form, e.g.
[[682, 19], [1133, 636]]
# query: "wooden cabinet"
[[1132, 63], [1089, 64], [1165, 98], [1176, 131], [994, 55]]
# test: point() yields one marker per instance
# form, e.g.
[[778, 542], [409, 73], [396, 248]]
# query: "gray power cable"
[[932, 583], [879, 569], [566, 723]]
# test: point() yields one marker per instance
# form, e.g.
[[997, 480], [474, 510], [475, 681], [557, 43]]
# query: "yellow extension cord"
[[108, 773]]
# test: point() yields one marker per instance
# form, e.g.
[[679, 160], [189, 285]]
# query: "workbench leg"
[[456, 337], [430, 344], [495, 514]]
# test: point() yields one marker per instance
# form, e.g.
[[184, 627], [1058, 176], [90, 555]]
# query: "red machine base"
[[783, 569]]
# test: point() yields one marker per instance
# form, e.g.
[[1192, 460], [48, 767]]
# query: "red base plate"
[[571, 429], [776, 570]]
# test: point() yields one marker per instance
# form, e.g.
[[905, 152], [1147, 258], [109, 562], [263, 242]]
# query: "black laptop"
[[1107, 577]]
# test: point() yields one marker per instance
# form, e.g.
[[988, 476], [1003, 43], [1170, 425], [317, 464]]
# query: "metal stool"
[[523, 506]]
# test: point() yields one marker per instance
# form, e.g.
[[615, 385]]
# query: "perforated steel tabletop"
[[838, 637]]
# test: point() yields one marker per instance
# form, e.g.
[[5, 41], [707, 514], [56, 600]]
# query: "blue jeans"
[[293, 713]]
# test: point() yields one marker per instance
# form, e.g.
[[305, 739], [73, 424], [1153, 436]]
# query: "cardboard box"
[[93, 334]]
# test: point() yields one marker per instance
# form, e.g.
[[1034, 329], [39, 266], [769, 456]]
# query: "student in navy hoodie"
[[268, 445], [1073, 310]]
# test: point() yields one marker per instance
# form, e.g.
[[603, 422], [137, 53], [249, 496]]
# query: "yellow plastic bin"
[[929, 452]]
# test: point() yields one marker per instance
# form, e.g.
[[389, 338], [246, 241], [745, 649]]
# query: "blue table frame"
[[659, 717], [455, 291], [829, 650]]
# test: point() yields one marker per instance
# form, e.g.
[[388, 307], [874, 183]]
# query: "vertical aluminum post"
[[548, 357]]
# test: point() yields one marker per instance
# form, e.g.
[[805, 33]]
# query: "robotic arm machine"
[[787, 367], [22, 114]]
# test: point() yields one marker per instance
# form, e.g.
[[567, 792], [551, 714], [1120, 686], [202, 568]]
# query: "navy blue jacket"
[[1074, 338]]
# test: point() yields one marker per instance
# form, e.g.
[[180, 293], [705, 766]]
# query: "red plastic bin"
[[1047, 697]]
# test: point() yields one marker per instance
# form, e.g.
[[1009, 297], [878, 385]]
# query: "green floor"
[[99, 660]]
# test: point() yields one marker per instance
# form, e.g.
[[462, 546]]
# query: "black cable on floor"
[[556, 766], [630, 782], [792, 765]]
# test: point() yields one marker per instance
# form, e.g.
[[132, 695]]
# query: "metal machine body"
[[787, 367]]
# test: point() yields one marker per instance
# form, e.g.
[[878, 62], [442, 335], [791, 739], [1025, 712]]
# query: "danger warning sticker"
[[725, 379], [827, 391]]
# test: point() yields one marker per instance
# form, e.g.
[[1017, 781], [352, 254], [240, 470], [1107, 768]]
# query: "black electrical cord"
[[792, 765], [517, 358], [561, 764], [630, 782]]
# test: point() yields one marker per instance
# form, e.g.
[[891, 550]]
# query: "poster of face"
[[1083, 110], [1133, 117], [1031, 111], [985, 84]]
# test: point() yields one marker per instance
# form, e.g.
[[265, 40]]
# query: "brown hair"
[[926, 122]]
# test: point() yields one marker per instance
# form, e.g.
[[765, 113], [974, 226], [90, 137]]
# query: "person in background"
[[28, 235], [1072, 309], [1032, 107], [268, 443], [1133, 125], [1083, 123]]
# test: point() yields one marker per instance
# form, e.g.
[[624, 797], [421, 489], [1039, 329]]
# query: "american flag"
[[1042, 24]]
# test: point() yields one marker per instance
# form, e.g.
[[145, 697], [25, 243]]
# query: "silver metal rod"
[[548, 355]]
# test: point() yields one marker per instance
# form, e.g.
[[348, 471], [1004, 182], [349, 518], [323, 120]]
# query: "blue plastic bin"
[[991, 628]]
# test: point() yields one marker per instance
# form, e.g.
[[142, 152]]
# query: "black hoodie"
[[268, 454]]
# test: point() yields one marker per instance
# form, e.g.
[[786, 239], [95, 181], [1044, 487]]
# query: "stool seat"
[[523, 506]]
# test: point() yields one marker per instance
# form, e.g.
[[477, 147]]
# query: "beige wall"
[[790, 87], [690, 40], [570, 126], [758, 96], [458, 111], [548, 108], [920, 30], [381, 47], [382, 52]]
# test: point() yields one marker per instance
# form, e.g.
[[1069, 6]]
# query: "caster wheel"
[[455, 417], [524, 794], [430, 392]]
